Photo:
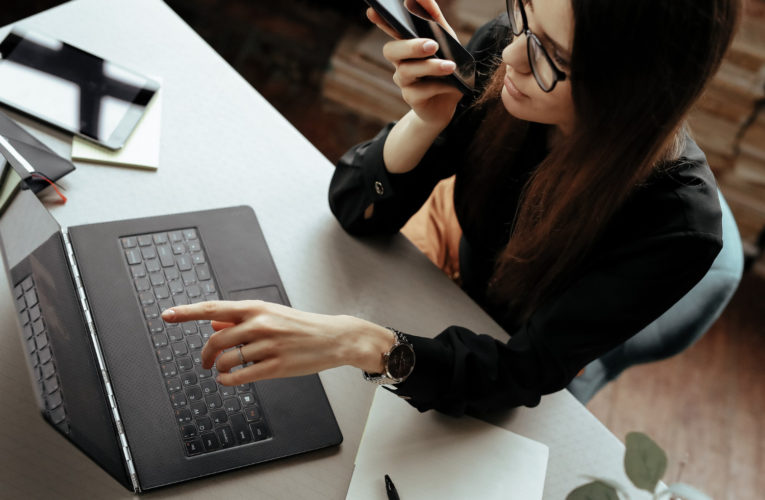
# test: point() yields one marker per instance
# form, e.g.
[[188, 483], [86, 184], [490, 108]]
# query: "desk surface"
[[223, 144]]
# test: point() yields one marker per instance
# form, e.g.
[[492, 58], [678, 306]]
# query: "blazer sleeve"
[[361, 178], [461, 371]]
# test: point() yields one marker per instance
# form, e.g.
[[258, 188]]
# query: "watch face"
[[400, 361]]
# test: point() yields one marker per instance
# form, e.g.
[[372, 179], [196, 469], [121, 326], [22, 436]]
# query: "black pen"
[[390, 488]]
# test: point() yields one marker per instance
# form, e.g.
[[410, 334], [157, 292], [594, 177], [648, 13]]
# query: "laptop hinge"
[[101, 364]]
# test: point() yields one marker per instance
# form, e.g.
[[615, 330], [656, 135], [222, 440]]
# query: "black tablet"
[[72, 89]]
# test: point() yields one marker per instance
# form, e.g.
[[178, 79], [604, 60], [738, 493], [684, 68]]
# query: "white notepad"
[[141, 150], [432, 456]]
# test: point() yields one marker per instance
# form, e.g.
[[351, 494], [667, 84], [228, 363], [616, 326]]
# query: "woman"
[[584, 208]]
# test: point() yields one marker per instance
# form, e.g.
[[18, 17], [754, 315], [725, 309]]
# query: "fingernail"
[[430, 46], [448, 65], [168, 314]]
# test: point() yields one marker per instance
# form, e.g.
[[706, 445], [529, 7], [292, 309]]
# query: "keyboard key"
[[142, 284], [28, 333], [151, 312], [204, 424], [197, 357], [227, 390], [164, 304], [194, 291], [241, 430], [50, 384], [178, 248], [219, 417], [232, 405], [54, 400], [57, 415], [243, 388], [209, 387], [133, 256], [247, 399], [194, 393], [47, 370], [157, 279], [198, 258], [138, 271], [190, 234], [178, 400], [225, 436], [146, 298], [149, 253], [175, 333], [129, 242], [180, 348], [31, 297], [165, 354], [183, 262], [169, 369], [189, 379], [189, 277], [180, 300], [41, 341], [210, 441], [27, 283], [176, 287], [173, 384], [203, 272], [208, 287], [156, 325], [44, 355], [153, 266], [144, 240], [203, 374], [252, 413], [182, 416], [213, 402], [206, 331], [195, 341], [199, 409], [259, 431], [34, 313], [160, 238], [172, 273], [162, 292], [195, 246], [193, 447], [185, 363], [189, 431], [159, 339], [165, 254], [189, 327], [175, 236]]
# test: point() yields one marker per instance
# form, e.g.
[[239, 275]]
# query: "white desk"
[[223, 144]]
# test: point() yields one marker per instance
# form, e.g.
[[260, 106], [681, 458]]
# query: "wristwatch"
[[398, 362]]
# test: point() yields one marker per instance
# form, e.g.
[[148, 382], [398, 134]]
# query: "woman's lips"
[[512, 89]]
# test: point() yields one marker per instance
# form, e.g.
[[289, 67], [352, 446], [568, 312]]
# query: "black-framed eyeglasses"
[[545, 72]]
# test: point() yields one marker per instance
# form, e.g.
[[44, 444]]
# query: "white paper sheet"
[[429, 455]]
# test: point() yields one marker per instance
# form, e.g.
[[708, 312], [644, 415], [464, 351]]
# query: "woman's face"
[[552, 21]]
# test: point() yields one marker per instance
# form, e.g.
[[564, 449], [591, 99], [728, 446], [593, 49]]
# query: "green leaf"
[[644, 461], [593, 491], [687, 492]]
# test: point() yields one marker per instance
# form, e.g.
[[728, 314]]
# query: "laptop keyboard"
[[38, 349], [169, 269]]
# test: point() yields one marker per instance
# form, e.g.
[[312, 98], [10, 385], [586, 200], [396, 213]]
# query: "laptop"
[[115, 380]]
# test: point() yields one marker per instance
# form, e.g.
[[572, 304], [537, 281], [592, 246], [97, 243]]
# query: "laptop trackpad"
[[268, 293]]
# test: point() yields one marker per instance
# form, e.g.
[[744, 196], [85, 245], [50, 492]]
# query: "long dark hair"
[[637, 66]]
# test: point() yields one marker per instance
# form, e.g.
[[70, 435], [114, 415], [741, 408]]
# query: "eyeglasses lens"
[[540, 64], [515, 16]]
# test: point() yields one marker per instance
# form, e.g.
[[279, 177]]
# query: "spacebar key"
[[241, 430]]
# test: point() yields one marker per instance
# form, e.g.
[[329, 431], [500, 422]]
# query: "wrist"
[[365, 344]]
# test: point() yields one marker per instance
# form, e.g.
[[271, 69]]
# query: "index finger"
[[216, 310]]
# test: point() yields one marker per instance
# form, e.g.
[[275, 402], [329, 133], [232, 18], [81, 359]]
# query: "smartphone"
[[71, 89], [410, 20]]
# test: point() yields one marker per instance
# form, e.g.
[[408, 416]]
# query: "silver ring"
[[241, 356]]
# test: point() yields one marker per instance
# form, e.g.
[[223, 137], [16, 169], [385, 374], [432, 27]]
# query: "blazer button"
[[379, 188]]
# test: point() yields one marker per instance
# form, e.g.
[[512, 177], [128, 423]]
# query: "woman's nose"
[[515, 55]]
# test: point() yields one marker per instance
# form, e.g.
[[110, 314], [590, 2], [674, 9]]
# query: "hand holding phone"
[[410, 20]]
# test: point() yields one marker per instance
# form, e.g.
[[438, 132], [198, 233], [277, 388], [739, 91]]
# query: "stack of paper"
[[429, 455]]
